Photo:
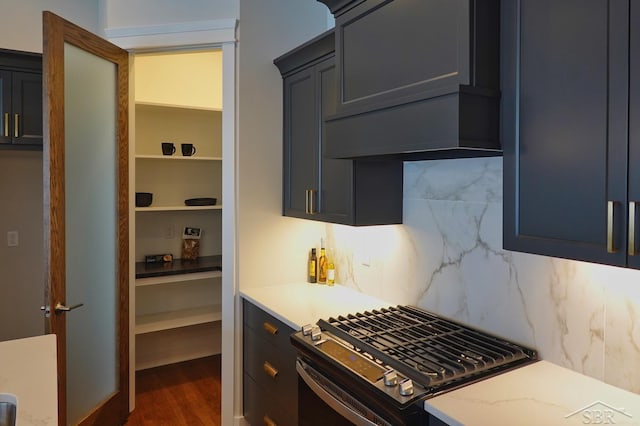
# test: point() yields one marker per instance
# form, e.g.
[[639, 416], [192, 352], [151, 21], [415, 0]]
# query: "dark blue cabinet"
[[416, 79], [20, 100], [570, 118], [361, 192]]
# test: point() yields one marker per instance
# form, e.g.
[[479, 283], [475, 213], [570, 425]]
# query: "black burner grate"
[[424, 347]]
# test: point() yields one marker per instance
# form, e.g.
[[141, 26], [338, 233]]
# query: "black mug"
[[168, 148], [188, 149]]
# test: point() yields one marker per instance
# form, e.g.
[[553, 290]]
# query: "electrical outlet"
[[12, 239]]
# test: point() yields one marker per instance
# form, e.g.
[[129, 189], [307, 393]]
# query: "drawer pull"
[[16, 126], [267, 421], [6, 124], [270, 370], [270, 328]]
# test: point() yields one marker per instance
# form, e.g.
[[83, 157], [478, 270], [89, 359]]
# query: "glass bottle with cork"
[[322, 264], [312, 267], [331, 268]]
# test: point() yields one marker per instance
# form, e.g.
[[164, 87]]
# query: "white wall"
[[137, 13], [21, 21], [272, 248], [21, 271]]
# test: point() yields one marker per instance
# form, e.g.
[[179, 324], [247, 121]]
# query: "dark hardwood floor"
[[187, 393]]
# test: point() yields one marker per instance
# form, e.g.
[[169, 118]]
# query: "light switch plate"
[[12, 239]]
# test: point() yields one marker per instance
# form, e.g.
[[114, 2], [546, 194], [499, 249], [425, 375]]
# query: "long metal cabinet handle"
[[632, 228], [312, 208], [6, 124], [306, 201], [610, 210], [16, 125]]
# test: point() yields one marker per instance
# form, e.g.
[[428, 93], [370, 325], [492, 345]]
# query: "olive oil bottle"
[[322, 266], [312, 268]]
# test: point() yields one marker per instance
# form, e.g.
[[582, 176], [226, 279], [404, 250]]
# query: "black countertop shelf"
[[179, 266]]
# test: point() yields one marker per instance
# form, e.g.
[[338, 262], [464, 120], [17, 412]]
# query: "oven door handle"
[[338, 406]]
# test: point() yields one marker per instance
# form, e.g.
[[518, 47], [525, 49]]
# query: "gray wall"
[[21, 280]]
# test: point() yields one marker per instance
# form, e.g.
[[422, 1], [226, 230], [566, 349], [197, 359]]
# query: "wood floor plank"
[[187, 393]]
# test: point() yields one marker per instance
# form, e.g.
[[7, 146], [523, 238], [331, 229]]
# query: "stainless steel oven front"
[[323, 402]]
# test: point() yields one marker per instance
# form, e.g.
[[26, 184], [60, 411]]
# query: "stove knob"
[[406, 387], [306, 329], [315, 333], [390, 378]]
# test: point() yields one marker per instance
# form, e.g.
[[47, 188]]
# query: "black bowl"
[[143, 199]]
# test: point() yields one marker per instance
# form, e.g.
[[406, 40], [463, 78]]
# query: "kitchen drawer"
[[273, 330], [261, 409], [271, 367]]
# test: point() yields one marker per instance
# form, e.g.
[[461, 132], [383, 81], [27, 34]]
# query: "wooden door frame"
[[57, 32]]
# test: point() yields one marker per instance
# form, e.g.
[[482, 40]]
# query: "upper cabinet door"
[[634, 136], [300, 144], [27, 108], [336, 176], [5, 107], [564, 123]]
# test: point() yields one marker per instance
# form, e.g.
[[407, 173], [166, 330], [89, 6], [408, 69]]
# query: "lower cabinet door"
[[272, 368], [260, 408]]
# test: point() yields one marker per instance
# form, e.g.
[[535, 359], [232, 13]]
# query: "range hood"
[[417, 79]]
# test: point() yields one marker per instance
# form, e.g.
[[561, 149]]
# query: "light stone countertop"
[[538, 394], [28, 371], [303, 303]]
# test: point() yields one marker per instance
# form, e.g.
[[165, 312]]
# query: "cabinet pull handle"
[[270, 328], [268, 422], [270, 370], [6, 124], [306, 201], [610, 244], [16, 123], [632, 228], [312, 209]]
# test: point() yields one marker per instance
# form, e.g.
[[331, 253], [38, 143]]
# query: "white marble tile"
[[622, 332], [466, 179]]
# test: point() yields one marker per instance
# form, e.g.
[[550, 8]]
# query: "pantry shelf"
[[176, 319]]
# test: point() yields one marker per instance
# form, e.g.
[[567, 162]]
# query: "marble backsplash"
[[447, 257]]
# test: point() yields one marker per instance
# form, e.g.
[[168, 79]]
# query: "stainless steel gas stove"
[[378, 367]]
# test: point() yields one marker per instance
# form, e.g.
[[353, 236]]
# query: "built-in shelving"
[[176, 319], [169, 105], [178, 311], [167, 279], [177, 157], [177, 208]]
